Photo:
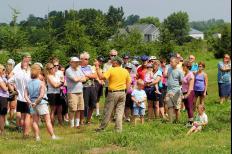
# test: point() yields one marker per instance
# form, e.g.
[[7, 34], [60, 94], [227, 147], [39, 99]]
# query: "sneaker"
[[128, 120], [188, 125], [55, 137], [7, 123], [37, 139]]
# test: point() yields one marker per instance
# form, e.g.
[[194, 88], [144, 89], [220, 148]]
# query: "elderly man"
[[126, 61], [89, 91], [107, 66], [75, 78], [119, 81]]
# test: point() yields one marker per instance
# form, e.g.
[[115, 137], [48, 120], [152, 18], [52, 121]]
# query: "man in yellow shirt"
[[119, 81]]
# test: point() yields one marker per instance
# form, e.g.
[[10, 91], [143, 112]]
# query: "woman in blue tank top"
[[200, 85], [35, 95]]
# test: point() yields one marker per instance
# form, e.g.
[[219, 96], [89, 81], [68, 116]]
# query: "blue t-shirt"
[[159, 73], [224, 77], [139, 95], [72, 86], [194, 68]]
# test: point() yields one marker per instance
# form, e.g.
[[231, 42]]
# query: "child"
[[149, 78], [35, 96], [200, 121], [139, 98], [129, 102]]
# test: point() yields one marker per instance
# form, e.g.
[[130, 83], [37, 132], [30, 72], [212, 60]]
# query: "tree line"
[[67, 33]]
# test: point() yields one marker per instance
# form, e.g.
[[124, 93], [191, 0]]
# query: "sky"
[[198, 10]]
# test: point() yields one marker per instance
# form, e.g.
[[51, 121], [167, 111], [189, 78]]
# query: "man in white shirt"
[[21, 76]]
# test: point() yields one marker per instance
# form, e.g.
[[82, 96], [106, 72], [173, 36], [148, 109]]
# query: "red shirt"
[[141, 71]]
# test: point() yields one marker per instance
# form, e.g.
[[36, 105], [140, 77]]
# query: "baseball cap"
[[26, 54], [126, 57], [75, 59], [135, 62], [11, 61], [118, 59], [129, 65], [153, 58], [101, 58], [144, 58]]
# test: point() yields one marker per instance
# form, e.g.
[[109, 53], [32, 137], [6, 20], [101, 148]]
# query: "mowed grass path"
[[153, 137]]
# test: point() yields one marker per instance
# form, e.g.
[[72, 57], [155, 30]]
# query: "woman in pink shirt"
[[188, 92]]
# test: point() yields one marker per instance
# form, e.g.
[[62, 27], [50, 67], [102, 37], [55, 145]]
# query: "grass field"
[[153, 137]]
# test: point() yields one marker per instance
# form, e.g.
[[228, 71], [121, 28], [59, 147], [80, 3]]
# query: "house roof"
[[143, 28], [194, 31]]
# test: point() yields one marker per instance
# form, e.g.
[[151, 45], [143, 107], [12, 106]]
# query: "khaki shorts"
[[76, 102], [42, 109], [174, 100]]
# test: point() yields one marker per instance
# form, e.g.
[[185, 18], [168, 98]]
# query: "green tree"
[[150, 20], [76, 39], [132, 19], [223, 46], [178, 26], [115, 18]]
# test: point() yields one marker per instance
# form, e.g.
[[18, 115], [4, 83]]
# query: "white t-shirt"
[[202, 118], [20, 79], [51, 89]]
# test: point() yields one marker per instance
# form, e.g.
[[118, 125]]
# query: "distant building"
[[196, 34], [149, 31], [217, 35]]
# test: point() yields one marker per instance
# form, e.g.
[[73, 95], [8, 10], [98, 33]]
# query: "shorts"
[[22, 107], [224, 89], [199, 93], [42, 109], [99, 90], [54, 99], [153, 96], [3, 106], [174, 101], [76, 102], [90, 97], [138, 111], [129, 102]]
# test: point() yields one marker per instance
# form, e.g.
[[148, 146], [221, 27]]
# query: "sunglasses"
[[113, 55], [56, 65], [51, 68]]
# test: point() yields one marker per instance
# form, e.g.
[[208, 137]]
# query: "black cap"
[[101, 58]]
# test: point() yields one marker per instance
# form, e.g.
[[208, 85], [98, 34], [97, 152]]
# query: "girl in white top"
[[200, 121], [54, 85]]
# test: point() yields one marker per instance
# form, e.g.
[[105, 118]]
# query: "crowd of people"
[[132, 86]]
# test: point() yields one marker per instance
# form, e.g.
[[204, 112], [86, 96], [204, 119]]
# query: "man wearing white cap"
[[75, 78]]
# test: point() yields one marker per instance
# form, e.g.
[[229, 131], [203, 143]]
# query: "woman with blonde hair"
[[54, 83], [35, 95]]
